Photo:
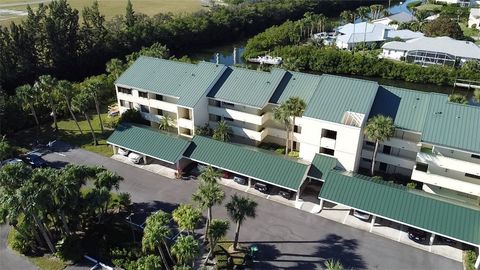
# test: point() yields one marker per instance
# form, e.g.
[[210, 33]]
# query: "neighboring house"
[[350, 35], [436, 142], [395, 19], [474, 18], [432, 51], [462, 3]]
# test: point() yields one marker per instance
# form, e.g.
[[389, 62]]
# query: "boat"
[[267, 59]]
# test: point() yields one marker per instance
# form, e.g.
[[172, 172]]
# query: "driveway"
[[287, 238]]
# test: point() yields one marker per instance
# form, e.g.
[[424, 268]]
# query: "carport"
[[249, 162], [149, 142], [412, 208]]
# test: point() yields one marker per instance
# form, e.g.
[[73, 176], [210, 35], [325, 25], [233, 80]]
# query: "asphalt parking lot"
[[287, 238]]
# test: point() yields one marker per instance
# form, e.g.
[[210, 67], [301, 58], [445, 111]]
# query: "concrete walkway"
[[9, 259]]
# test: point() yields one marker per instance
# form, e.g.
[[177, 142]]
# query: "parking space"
[[391, 230], [152, 165]]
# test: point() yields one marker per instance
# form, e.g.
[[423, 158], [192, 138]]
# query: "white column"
[[144, 159], [372, 223], [249, 182], [114, 148], [321, 204], [432, 238]]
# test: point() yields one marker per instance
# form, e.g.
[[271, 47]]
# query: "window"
[[476, 156], [327, 151], [295, 145], [159, 112], [366, 160], [142, 94], [472, 175], [122, 103], [297, 129], [421, 167], [158, 97], [127, 104], [125, 90], [144, 109], [370, 143], [382, 167], [329, 134], [228, 119], [387, 149]]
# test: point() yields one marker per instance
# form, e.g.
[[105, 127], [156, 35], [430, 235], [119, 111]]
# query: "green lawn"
[[68, 132], [470, 32], [429, 7], [111, 8]]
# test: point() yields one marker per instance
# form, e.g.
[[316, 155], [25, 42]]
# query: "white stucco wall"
[[393, 54]]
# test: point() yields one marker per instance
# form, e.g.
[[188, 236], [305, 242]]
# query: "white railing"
[[446, 182], [449, 163], [327, 143], [185, 123], [238, 115], [389, 159]]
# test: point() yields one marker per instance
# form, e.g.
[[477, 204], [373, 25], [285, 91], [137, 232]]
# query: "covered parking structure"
[[149, 142], [249, 162], [321, 165], [408, 207]]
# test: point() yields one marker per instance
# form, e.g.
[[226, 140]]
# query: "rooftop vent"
[[417, 98], [437, 113]]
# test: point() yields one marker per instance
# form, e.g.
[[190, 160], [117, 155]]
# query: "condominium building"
[[435, 143]]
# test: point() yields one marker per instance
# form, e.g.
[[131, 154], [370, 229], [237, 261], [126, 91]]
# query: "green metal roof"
[[408, 108], [336, 95], [296, 84], [248, 161], [149, 141], [321, 165], [395, 202], [187, 82], [247, 87], [452, 125]]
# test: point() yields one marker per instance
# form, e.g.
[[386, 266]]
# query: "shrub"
[[280, 151], [469, 257], [132, 116], [294, 154], [411, 185], [22, 243], [69, 248], [111, 122], [458, 98], [125, 258]]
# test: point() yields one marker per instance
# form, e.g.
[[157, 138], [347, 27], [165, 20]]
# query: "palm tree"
[[115, 67], [218, 230], [81, 103], [221, 132], [27, 96], [378, 129], [46, 85], [239, 208], [363, 13], [296, 107], [376, 11], [92, 85], [458, 98], [154, 234], [349, 16], [333, 265], [208, 195], [187, 217], [210, 175], [185, 249], [282, 115], [166, 123], [65, 89]]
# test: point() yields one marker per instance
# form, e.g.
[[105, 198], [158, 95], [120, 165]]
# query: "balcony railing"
[[238, 115], [390, 159], [446, 182], [449, 163]]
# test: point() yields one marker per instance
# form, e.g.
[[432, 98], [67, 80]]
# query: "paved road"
[[288, 238]]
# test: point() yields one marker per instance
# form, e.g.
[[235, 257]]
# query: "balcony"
[[239, 116], [162, 105], [151, 117], [281, 133], [402, 144], [327, 143], [446, 182], [245, 132], [448, 163], [389, 159], [185, 123]]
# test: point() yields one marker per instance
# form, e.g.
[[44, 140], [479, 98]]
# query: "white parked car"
[[361, 215], [11, 161], [134, 157], [122, 152]]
